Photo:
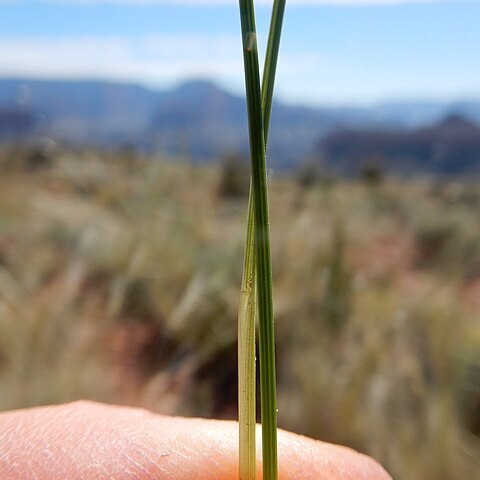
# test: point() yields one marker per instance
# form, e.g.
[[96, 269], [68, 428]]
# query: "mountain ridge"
[[196, 117]]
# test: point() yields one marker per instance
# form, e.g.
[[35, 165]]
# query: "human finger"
[[86, 440]]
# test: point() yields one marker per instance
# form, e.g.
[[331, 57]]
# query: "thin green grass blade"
[[271, 60], [246, 356], [262, 242]]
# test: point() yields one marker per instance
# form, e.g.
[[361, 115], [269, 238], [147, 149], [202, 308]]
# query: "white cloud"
[[154, 59], [191, 44], [158, 60], [148, 59]]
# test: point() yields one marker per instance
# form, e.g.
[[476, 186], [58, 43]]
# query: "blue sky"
[[333, 51]]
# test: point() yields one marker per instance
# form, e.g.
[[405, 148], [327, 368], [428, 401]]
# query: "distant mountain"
[[199, 119], [15, 123], [82, 111], [196, 119], [451, 148]]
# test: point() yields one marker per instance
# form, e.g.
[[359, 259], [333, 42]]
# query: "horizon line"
[[171, 86]]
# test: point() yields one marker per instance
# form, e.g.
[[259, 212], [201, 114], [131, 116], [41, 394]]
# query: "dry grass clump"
[[111, 268], [119, 282]]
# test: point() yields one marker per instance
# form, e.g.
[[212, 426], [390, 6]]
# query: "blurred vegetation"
[[119, 282]]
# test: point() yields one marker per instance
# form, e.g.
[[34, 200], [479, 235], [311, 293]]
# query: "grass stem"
[[257, 254], [246, 356]]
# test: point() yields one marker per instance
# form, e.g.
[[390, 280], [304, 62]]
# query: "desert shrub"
[[449, 241], [372, 174], [311, 174], [31, 157], [234, 177], [41, 156]]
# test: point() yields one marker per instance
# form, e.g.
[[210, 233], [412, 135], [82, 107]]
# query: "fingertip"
[[90, 440], [307, 459]]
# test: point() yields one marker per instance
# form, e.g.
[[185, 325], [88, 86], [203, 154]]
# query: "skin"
[[86, 440]]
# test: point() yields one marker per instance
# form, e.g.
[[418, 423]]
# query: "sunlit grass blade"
[[262, 242], [246, 356]]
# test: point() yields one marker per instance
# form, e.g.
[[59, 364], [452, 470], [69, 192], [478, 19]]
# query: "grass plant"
[[257, 257]]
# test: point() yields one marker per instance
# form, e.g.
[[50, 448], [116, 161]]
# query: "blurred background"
[[124, 178]]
